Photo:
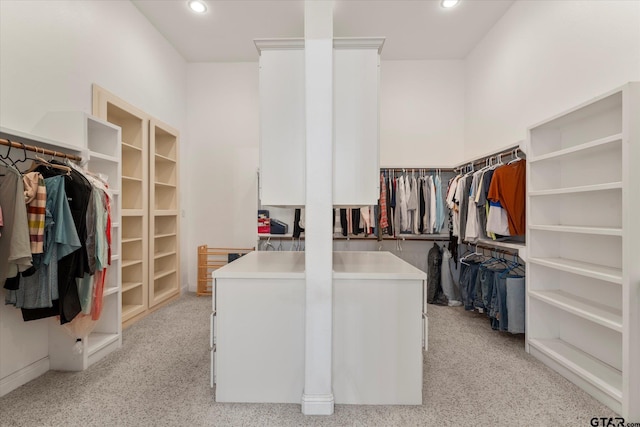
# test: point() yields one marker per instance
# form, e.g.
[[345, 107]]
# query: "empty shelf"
[[130, 147], [162, 274], [127, 286], [110, 291], [599, 374], [162, 184], [132, 212], [129, 263], [98, 340], [581, 189], [131, 239], [163, 254], [165, 212], [95, 155], [128, 310], [164, 158], [160, 295], [131, 178], [159, 236], [582, 147], [593, 311], [605, 231], [609, 274]]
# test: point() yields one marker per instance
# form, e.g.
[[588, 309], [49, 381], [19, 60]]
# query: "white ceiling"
[[415, 29]]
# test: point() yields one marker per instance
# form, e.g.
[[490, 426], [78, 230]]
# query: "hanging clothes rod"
[[511, 151], [418, 169], [492, 248], [35, 149]]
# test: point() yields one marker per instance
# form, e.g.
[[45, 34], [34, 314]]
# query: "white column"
[[318, 22]]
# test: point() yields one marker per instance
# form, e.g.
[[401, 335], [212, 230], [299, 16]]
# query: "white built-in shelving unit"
[[583, 270]]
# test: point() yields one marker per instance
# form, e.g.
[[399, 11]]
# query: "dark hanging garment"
[[343, 222], [297, 230], [421, 206], [435, 295], [355, 221]]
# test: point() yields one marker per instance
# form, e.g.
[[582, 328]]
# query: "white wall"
[[421, 113], [542, 58], [52, 51], [50, 54], [222, 162]]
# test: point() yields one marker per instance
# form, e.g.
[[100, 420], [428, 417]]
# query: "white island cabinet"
[[258, 329]]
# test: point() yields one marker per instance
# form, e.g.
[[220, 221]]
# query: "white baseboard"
[[317, 404], [23, 376]]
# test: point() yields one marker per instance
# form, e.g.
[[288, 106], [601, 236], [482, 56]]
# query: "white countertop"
[[346, 265], [264, 265], [373, 265]]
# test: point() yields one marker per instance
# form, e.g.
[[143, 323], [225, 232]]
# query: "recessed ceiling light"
[[449, 3], [199, 6]]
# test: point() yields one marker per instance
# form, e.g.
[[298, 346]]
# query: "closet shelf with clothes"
[[488, 203], [411, 203]]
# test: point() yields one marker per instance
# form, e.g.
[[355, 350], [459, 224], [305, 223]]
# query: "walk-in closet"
[[336, 212]]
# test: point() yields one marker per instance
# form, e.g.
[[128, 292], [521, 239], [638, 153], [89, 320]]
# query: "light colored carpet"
[[473, 376]]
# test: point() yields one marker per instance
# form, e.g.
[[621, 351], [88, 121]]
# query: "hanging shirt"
[[35, 197], [412, 205], [508, 186], [426, 218], [366, 219], [464, 205], [437, 182], [421, 205], [402, 203], [432, 206], [95, 226], [15, 247], [497, 221], [472, 233]]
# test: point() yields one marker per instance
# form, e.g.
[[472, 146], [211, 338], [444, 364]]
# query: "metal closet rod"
[[418, 169], [44, 151], [483, 160], [491, 248]]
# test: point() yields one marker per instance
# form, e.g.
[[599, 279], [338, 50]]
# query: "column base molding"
[[317, 404]]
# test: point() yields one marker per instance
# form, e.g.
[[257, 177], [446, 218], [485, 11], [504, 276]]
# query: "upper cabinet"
[[282, 122], [356, 82], [356, 64]]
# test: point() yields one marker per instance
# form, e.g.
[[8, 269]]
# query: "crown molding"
[[279, 44]]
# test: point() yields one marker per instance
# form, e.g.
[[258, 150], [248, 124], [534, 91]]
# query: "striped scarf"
[[35, 197]]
